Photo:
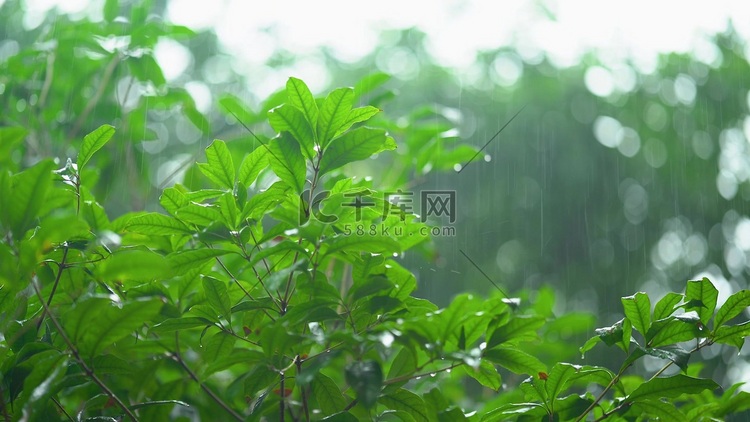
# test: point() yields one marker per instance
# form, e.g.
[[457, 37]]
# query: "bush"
[[273, 298]]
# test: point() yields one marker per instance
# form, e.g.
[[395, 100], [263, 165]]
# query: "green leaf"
[[220, 168], [333, 114], [327, 394], [671, 331], [590, 343], [615, 334], [229, 212], [408, 402], [534, 390], [358, 144], [146, 69], [28, 192], [734, 305], [370, 286], [357, 115], [676, 354], [300, 97], [172, 199], [237, 356], [97, 323], [133, 264], [558, 377], [287, 162], [404, 363], [285, 248], [519, 328], [732, 334], [591, 374], [10, 137], [370, 82], [217, 296], [704, 295], [252, 165], [667, 305], [314, 310], [181, 262], [366, 379], [199, 214], [110, 364], [93, 213], [287, 118], [218, 346], [156, 224], [47, 371], [259, 378], [277, 339], [670, 387], [182, 323], [93, 142], [666, 412], [513, 411], [196, 117], [365, 243], [515, 360], [638, 310], [486, 374], [233, 106]]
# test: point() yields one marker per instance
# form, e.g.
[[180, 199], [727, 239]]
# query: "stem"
[[611, 411], [617, 377], [308, 211], [176, 356], [89, 372], [298, 361], [408, 377], [60, 267], [47, 79], [350, 405], [282, 394], [110, 69], [603, 393], [62, 409]]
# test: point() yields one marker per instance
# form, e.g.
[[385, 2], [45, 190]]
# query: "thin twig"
[[89, 372], [106, 76], [609, 386], [177, 357], [281, 393], [298, 361], [60, 268], [408, 377], [62, 409], [47, 79]]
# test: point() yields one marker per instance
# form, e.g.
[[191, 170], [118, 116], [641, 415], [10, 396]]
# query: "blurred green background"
[[626, 170]]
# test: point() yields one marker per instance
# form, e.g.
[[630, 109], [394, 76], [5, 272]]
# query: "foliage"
[[261, 303], [256, 291]]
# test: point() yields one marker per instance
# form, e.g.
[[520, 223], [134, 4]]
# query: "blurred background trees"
[[617, 176]]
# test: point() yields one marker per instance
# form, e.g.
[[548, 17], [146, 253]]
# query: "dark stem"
[[177, 357], [281, 394], [62, 409], [60, 268], [298, 361], [89, 372], [408, 377]]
